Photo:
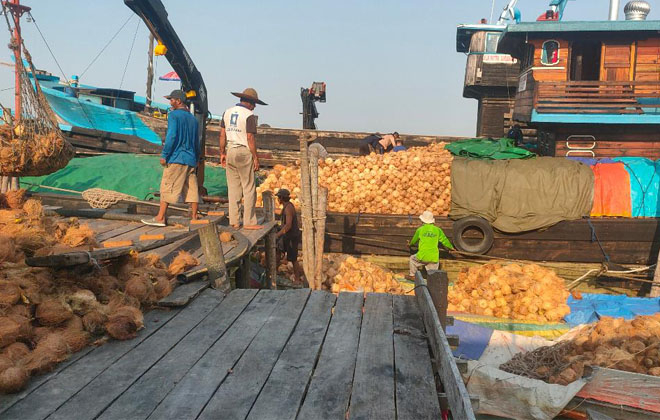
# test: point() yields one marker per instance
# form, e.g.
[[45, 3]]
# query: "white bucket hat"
[[427, 217]]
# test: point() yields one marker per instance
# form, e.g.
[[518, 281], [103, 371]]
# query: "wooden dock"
[[251, 355]]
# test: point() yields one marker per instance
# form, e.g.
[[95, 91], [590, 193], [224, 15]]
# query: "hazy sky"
[[389, 65]]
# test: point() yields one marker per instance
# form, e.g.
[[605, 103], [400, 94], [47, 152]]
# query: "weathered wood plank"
[[126, 227], [329, 391], [283, 393], [7, 400], [89, 402], [235, 396], [184, 293], [51, 395], [373, 384], [195, 389], [459, 400], [414, 372], [140, 399]]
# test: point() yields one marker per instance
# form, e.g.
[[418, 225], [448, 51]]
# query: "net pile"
[[102, 199], [31, 143]]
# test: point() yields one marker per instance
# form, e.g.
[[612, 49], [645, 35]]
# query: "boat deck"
[[253, 354]]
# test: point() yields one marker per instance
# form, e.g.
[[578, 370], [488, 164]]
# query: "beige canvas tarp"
[[521, 195]]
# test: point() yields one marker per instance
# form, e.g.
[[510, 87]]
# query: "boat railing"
[[597, 97]]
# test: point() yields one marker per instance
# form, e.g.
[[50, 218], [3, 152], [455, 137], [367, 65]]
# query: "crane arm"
[[509, 13]]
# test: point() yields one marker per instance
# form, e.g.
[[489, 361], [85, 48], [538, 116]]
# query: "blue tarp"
[[594, 306], [473, 339], [644, 185]]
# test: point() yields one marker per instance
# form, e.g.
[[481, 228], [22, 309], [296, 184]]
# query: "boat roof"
[[464, 34]]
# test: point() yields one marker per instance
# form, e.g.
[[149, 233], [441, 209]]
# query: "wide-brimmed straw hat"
[[251, 95], [427, 217]]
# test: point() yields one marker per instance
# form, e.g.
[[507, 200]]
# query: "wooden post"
[[314, 178], [150, 69], [319, 240], [438, 285], [271, 240], [306, 212], [4, 186], [244, 281], [215, 257]]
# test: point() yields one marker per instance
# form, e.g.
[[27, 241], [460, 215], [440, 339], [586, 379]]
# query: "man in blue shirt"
[[180, 157]]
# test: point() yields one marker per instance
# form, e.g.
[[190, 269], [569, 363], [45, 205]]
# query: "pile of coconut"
[[48, 314]]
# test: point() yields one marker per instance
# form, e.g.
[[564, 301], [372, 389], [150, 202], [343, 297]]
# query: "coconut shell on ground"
[[9, 331], [13, 380], [52, 312], [10, 293], [16, 351], [163, 287]]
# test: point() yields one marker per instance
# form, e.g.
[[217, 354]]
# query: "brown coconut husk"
[[52, 312], [141, 289], [5, 362], [118, 300], [38, 333], [10, 217], [3, 201], [94, 322], [33, 209], [13, 380], [181, 263], [8, 251], [82, 301], [16, 351], [124, 323], [102, 285], [10, 293], [74, 334], [25, 327], [163, 287], [152, 260], [50, 350], [15, 199], [79, 236], [20, 310], [10, 331]]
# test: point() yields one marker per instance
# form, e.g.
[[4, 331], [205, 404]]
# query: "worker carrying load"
[[31, 143], [378, 144], [428, 235]]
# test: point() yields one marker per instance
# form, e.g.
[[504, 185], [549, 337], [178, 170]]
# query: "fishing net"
[[31, 143], [102, 199]]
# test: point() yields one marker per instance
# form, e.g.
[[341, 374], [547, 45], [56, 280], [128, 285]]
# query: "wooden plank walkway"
[[266, 354]]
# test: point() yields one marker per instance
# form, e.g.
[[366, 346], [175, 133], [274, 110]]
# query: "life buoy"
[[472, 223]]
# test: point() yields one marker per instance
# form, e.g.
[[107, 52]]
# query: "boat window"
[[491, 42], [550, 53], [528, 57]]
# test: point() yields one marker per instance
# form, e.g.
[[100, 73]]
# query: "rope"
[[106, 45], [128, 59], [47, 46], [93, 261], [594, 238]]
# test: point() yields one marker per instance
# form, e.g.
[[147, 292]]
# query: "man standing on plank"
[[180, 157], [238, 155]]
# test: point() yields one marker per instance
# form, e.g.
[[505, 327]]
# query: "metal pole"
[[614, 10]]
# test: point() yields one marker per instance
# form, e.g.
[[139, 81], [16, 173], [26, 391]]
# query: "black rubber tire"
[[472, 222]]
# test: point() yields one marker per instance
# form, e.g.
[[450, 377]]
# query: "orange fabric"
[[611, 190]]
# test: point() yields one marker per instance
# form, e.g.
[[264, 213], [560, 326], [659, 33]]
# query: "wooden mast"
[[10, 183], [150, 69]]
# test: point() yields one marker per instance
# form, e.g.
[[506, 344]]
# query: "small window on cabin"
[[550, 53], [491, 42]]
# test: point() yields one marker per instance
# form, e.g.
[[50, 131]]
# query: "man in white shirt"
[[238, 155]]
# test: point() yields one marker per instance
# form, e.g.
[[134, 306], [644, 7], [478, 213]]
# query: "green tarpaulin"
[[521, 195], [488, 149], [136, 175]]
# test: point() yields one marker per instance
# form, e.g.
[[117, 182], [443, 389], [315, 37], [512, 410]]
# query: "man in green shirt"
[[428, 235]]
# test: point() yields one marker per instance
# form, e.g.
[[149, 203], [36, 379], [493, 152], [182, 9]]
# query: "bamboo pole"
[[319, 240], [306, 212]]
